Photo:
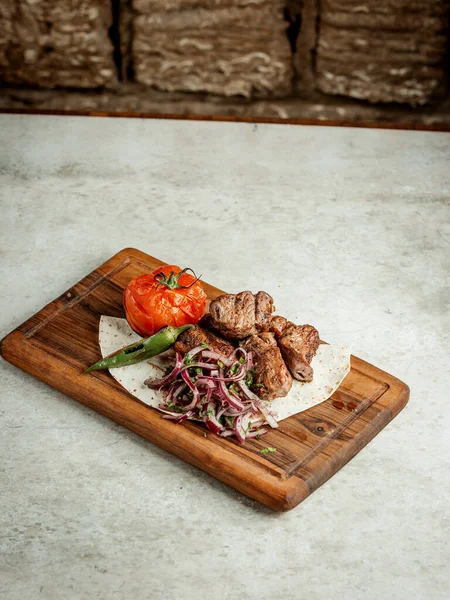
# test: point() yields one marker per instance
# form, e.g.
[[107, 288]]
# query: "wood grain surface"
[[58, 343]]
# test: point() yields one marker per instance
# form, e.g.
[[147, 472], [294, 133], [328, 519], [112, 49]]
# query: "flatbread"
[[331, 364]]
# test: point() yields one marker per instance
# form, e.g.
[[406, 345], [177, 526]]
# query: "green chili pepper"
[[161, 341]]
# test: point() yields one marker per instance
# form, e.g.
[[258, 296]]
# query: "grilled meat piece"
[[277, 325], [298, 345], [197, 336], [234, 315], [263, 311], [272, 378], [206, 322]]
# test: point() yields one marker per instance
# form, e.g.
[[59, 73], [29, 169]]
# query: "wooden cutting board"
[[58, 343]]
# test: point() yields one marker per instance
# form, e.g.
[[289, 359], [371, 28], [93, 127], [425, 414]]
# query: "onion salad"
[[214, 389]]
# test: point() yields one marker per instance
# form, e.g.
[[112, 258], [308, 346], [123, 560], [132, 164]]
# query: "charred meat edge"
[[191, 338], [271, 378]]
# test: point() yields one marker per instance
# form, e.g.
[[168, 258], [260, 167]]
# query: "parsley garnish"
[[267, 450], [220, 363], [174, 407], [249, 377], [205, 345]]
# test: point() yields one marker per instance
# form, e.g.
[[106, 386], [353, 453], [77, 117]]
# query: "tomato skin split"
[[166, 296]]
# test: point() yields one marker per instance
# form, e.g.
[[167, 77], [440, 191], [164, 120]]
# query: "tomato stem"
[[171, 281]]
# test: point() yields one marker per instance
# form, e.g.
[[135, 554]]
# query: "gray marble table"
[[348, 229]]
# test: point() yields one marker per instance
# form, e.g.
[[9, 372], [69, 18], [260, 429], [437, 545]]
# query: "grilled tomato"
[[166, 296]]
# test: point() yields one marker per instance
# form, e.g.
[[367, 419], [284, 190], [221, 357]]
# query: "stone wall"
[[382, 50], [375, 50], [226, 47], [56, 43]]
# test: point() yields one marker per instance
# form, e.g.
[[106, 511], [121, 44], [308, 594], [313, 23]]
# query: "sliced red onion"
[[258, 423], [230, 412], [168, 412], [178, 391], [237, 377], [156, 383], [229, 397], [190, 355], [201, 392], [268, 416], [209, 382], [220, 412], [208, 396], [247, 391], [256, 433], [180, 418], [238, 429], [193, 389], [216, 356], [201, 365], [174, 392], [226, 433], [211, 420], [246, 422]]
